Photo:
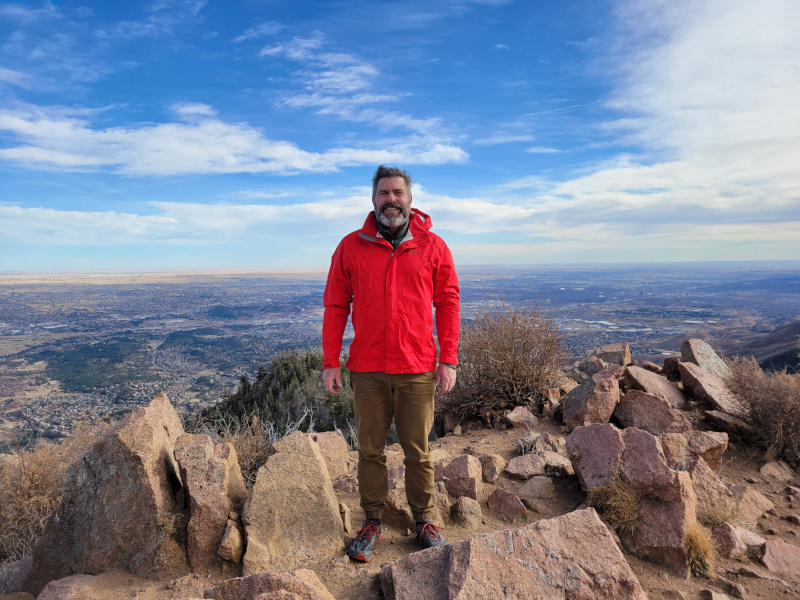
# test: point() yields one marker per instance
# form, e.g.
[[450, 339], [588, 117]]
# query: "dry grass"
[[30, 488], [507, 357], [619, 505], [699, 550], [774, 403]]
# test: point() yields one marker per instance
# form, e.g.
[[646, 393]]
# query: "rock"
[[682, 448], [591, 365], [712, 595], [525, 467], [670, 368], [708, 387], [673, 595], [457, 430], [542, 560], [335, 452], [552, 409], [347, 520], [644, 467], [728, 423], [793, 519], [396, 511], [525, 445], [467, 513], [733, 589], [14, 574], [303, 584], [74, 587], [214, 483], [752, 504], [642, 379], [619, 353], [594, 400], [522, 417], [464, 466], [397, 477], [728, 543], [232, 545], [118, 502], [662, 527], [748, 537], [780, 557], [443, 506], [713, 496], [651, 366], [700, 353], [348, 485], [777, 470], [538, 487], [462, 486], [596, 454], [651, 413], [507, 505], [491, 466], [555, 464], [293, 515]]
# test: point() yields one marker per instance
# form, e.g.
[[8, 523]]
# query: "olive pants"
[[407, 398]]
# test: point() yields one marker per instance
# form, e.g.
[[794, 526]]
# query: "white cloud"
[[500, 47], [203, 144], [503, 138], [261, 30], [542, 150], [15, 78]]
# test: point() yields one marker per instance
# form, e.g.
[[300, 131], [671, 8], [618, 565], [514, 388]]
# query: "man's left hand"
[[445, 378]]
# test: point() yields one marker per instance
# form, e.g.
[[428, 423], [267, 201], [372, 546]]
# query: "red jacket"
[[391, 294]]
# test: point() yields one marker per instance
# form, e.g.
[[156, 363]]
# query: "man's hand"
[[445, 378], [332, 378]]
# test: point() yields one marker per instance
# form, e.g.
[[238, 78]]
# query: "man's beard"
[[395, 222]]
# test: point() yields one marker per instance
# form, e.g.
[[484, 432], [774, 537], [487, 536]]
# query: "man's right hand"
[[332, 378]]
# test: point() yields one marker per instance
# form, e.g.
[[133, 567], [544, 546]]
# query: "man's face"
[[392, 202]]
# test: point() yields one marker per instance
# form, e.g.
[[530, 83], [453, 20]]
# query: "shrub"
[[699, 550], [507, 357], [774, 403], [31, 481], [619, 504]]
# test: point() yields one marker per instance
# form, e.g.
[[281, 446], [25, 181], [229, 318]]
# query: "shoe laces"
[[430, 530], [368, 531]]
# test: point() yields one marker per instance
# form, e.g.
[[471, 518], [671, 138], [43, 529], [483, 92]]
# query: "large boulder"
[[335, 452], [214, 483], [120, 505], [646, 381], [704, 385], [681, 448], [651, 413], [596, 454], [700, 353], [714, 499], [293, 515], [594, 400], [619, 353], [302, 584], [572, 557], [780, 556]]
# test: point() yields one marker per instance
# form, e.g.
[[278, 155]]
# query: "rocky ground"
[[511, 490]]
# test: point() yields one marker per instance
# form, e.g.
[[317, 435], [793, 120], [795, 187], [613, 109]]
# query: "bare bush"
[[507, 357], [31, 481], [774, 403], [619, 504]]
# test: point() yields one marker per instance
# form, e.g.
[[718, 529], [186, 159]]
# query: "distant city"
[[86, 346]]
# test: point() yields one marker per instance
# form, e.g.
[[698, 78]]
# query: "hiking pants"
[[407, 398]]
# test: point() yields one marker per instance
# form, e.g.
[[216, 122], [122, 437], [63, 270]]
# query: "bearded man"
[[390, 273]]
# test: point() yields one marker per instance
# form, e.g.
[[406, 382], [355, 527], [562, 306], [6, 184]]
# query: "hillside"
[[778, 350]]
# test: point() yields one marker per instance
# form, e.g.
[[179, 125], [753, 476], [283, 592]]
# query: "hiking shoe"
[[430, 535], [361, 547]]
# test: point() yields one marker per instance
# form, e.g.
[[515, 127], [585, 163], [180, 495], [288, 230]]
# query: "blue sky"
[[194, 134]]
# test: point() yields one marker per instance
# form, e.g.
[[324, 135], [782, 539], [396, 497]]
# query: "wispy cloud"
[[200, 143], [265, 29], [503, 138], [161, 17], [542, 150]]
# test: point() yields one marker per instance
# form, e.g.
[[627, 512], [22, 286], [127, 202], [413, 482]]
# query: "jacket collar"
[[418, 225]]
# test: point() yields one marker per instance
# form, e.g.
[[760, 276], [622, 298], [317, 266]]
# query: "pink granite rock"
[[550, 443], [619, 353], [303, 583], [596, 454], [467, 513], [492, 466], [538, 487], [642, 379], [651, 366], [507, 505], [334, 450], [74, 587], [522, 417], [115, 502], [13, 574], [526, 466], [728, 543], [713, 496], [752, 504], [397, 477], [776, 470], [465, 465], [700, 353], [573, 554], [462, 486], [651, 413], [728, 423], [681, 448], [556, 464], [643, 465], [397, 512], [706, 386], [748, 537], [594, 400], [780, 557]]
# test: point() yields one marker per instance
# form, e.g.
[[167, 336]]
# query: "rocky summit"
[[638, 482]]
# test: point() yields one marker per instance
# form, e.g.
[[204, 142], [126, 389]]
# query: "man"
[[390, 272]]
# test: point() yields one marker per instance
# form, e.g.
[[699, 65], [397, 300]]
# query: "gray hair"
[[383, 171]]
